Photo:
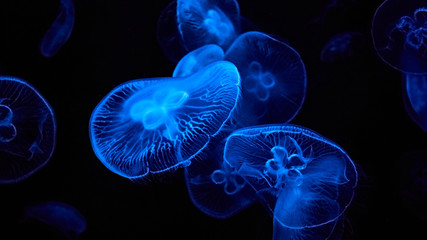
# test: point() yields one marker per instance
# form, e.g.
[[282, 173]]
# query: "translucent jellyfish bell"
[[399, 32], [342, 47], [273, 79], [415, 98], [202, 22], [308, 181], [155, 125], [27, 130]]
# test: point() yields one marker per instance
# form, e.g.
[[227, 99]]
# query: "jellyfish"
[[197, 59], [342, 47], [64, 218], [159, 124], [202, 22], [415, 98], [273, 79], [214, 186], [399, 32], [307, 180], [27, 130], [59, 31]]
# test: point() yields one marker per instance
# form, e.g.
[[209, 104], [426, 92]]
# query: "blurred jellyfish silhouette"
[[415, 98], [306, 180], [60, 30], [342, 47], [159, 124], [27, 130], [61, 217], [214, 186], [273, 79], [399, 32]]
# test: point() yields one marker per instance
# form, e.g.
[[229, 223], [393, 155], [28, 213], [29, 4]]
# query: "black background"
[[357, 103]]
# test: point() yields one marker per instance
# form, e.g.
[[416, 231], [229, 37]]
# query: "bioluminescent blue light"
[[202, 22], [27, 130], [64, 218], [197, 59], [158, 124], [415, 95], [214, 186], [273, 79], [60, 30], [308, 180], [342, 47], [399, 31]]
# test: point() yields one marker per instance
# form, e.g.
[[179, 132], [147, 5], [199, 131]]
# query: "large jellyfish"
[[415, 98], [307, 181], [399, 32], [155, 125], [342, 47], [65, 219], [27, 130], [60, 31], [273, 79]]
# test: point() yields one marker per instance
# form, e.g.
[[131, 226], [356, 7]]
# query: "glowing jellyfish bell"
[[415, 98], [27, 130], [342, 47], [399, 33], [306, 180], [156, 125], [273, 79]]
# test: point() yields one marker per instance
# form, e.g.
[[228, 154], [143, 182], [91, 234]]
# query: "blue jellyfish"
[[415, 98], [214, 186], [273, 79], [202, 22], [60, 31], [156, 125], [306, 180], [399, 32], [197, 59], [343, 47], [65, 219], [27, 130]]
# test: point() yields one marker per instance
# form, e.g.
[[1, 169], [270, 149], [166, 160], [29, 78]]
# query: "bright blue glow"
[[214, 186], [27, 130], [202, 22], [197, 59], [415, 89], [307, 180], [273, 79], [60, 30], [63, 217], [399, 31], [342, 47], [158, 124]]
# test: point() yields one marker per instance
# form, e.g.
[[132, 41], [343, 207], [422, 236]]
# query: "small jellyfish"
[[214, 186], [27, 130], [156, 125], [197, 59], [307, 180], [65, 219], [399, 32], [273, 79], [415, 98], [342, 47], [202, 22], [59, 31]]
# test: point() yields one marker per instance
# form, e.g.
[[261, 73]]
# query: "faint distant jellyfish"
[[342, 47], [197, 59], [159, 124], [308, 180], [59, 31], [273, 79], [415, 98], [65, 219], [202, 22], [27, 130], [399, 31]]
